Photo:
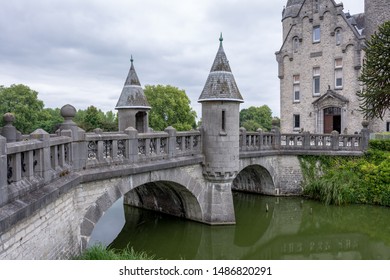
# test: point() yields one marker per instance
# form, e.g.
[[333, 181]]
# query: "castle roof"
[[292, 8], [132, 95], [220, 84]]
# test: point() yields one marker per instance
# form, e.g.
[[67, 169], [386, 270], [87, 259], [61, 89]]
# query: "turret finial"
[[131, 59], [221, 38]]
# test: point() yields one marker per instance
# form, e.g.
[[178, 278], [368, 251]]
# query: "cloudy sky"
[[78, 51]]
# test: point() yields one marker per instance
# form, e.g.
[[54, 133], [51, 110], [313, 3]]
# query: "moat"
[[267, 228]]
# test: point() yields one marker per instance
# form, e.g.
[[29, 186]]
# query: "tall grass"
[[99, 252], [346, 180]]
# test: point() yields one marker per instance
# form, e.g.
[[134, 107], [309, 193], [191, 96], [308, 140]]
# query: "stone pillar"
[[243, 138], [44, 162], [365, 135], [78, 149], [335, 140], [9, 131], [171, 150], [3, 171], [132, 144], [277, 140]]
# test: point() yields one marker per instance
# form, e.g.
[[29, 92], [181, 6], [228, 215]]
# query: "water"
[[292, 228]]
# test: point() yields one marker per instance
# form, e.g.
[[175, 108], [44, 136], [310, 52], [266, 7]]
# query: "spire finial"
[[221, 38], [131, 59]]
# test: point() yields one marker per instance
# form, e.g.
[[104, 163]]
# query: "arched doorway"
[[140, 122], [332, 119]]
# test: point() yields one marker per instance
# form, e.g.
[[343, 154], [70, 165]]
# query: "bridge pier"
[[218, 201]]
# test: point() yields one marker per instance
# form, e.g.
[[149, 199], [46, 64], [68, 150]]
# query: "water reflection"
[[267, 228]]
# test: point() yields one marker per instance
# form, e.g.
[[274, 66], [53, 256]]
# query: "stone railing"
[[258, 141], [132, 147], [34, 162]]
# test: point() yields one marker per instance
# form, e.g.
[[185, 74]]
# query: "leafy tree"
[[375, 76], [170, 107], [256, 117], [93, 117], [50, 120], [29, 111]]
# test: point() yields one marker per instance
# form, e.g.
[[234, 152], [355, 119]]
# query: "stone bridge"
[[54, 188]]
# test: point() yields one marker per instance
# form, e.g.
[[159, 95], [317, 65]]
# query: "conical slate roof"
[[220, 84], [292, 8], [132, 95]]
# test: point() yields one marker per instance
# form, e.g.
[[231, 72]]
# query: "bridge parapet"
[[133, 147], [306, 141], [32, 163]]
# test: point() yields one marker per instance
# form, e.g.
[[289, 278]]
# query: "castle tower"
[[376, 13], [132, 105], [220, 101]]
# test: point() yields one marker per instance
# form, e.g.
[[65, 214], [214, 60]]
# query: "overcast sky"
[[78, 51]]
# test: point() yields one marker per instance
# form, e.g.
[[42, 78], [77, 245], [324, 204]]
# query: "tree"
[[375, 77], [170, 107], [93, 117], [29, 111], [256, 117]]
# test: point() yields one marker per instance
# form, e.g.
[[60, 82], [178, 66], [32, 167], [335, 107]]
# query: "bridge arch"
[[174, 192], [255, 176]]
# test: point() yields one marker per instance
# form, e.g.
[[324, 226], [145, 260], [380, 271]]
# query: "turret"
[[132, 105], [220, 101]]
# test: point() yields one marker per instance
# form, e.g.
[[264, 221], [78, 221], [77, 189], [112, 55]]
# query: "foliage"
[[29, 111], [170, 107], [375, 96], [256, 117], [93, 117], [344, 180], [382, 145], [99, 252]]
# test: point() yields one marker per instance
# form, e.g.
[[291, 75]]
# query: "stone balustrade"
[[32, 163], [305, 141]]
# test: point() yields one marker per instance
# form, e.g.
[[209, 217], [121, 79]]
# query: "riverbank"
[[349, 180], [100, 252]]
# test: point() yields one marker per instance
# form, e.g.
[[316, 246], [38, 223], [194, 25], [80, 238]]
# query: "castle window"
[[316, 34], [296, 121], [296, 88], [295, 44], [388, 126], [339, 36], [338, 73], [223, 120], [316, 81]]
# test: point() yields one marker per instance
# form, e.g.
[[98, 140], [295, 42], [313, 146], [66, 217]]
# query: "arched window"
[[295, 44], [339, 36]]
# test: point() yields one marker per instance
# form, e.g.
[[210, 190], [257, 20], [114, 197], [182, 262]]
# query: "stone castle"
[[320, 61]]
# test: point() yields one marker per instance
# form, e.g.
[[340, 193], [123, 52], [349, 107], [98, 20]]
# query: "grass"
[[100, 252]]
